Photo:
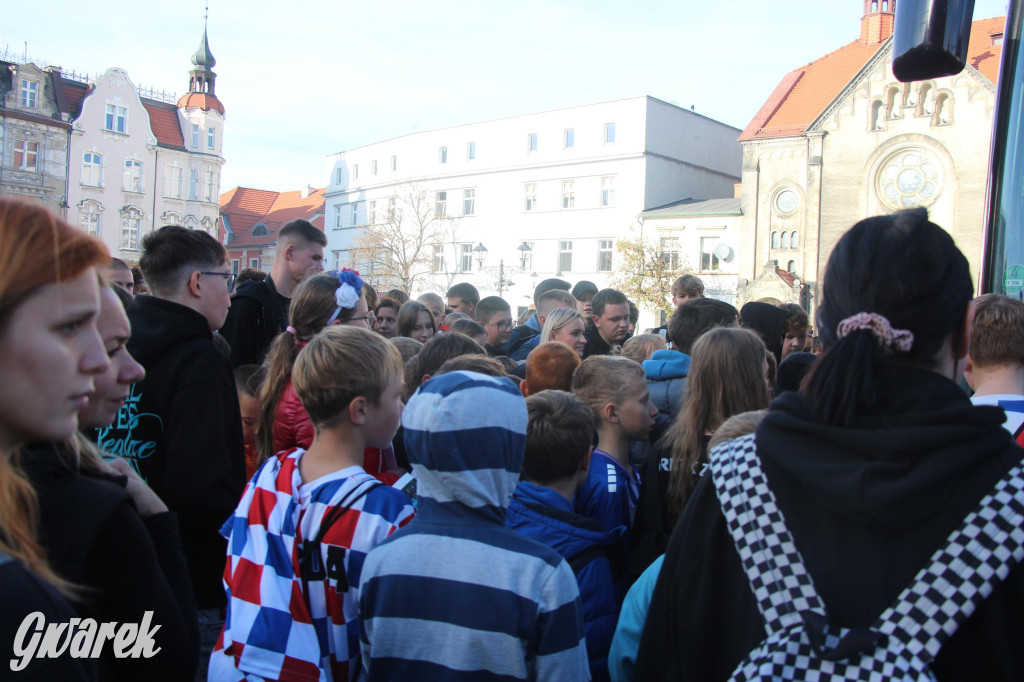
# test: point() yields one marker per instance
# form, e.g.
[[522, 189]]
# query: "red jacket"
[[293, 429]]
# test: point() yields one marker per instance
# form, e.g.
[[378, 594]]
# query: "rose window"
[[909, 179]]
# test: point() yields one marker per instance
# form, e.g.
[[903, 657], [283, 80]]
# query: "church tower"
[[877, 23]]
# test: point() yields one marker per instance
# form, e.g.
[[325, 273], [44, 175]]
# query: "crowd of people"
[[293, 476]]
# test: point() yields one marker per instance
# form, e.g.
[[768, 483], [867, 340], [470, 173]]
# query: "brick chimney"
[[877, 23]]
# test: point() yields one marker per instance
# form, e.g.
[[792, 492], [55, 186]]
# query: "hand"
[[146, 501]]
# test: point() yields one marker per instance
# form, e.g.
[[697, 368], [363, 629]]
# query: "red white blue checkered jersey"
[[278, 625]]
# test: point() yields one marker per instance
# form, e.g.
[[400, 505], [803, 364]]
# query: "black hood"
[[901, 462], [158, 324], [768, 321]]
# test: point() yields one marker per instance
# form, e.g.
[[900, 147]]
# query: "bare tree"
[[645, 274], [405, 243]]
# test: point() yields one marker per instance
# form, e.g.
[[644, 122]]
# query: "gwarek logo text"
[[81, 638]]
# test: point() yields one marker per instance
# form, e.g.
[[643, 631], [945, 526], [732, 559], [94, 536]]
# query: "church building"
[[840, 139]]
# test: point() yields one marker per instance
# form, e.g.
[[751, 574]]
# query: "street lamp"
[[524, 253], [481, 252]]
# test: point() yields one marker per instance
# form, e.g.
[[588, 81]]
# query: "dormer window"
[[997, 39], [260, 230], [29, 94]]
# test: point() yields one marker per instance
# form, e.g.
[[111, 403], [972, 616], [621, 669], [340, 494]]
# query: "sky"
[[306, 78]]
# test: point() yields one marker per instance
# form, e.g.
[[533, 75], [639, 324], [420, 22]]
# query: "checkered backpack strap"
[[780, 582], [977, 556]]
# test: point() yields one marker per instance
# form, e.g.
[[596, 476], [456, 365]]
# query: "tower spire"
[[876, 25]]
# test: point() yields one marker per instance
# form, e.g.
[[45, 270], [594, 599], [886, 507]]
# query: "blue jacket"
[[524, 349], [519, 336], [543, 515], [666, 372]]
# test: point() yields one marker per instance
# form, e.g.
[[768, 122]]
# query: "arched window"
[[131, 221], [784, 241], [92, 169], [775, 240], [794, 242], [924, 107], [260, 230], [908, 95], [891, 110], [877, 115], [943, 110], [791, 266], [89, 216], [191, 222], [132, 176]]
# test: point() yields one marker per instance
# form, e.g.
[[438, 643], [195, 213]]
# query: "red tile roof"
[[74, 93], [244, 207], [163, 119], [205, 102], [804, 93]]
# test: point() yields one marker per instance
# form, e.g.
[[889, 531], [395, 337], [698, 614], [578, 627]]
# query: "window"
[[784, 241], [260, 230], [89, 218], [465, 257], [670, 251], [234, 266], [337, 259], [391, 208], [131, 220], [355, 171], [775, 240], [354, 214], [116, 119], [791, 266], [786, 201], [568, 193], [708, 257], [26, 155], [471, 150], [170, 218], [371, 213], [29, 94], [373, 167], [570, 138], [469, 202], [211, 185], [132, 176], [609, 133], [211, 137], [394, 162], [338, 221], [437, 258], [442, 155], [564, 257], [604, 255], [794, 242], [337, 176], [531, 142], [193, 183], [254, 263], [195, 134], [92, 169], [440, 204], [531, 197], [173, 181], [608, 191]]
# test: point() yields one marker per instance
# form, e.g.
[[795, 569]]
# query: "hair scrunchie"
[[888, 338]]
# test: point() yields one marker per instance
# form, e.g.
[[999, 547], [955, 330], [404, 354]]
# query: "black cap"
[[584, 287]]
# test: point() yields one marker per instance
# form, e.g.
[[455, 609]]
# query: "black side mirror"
[[930, 38]]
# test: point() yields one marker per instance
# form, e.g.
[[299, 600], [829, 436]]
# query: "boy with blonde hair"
[[308, 518], [995, 363]]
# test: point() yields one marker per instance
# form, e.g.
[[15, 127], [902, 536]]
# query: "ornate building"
[[141, 160], [840, 139]]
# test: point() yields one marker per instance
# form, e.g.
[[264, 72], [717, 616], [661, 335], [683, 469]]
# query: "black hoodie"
[[867, 506], [257, 315], [182, 431]]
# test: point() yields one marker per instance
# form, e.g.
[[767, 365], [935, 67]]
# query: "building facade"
[[139, 161], [34, 131], [510, 202], [840, 140]]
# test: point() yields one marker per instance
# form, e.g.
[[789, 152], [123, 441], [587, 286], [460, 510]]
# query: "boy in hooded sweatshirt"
[[558, 451], [456, 594], [298, 539]]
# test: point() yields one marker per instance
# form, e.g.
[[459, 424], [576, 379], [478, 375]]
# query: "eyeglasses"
[[370, 319], [502, 326], [229, 277]]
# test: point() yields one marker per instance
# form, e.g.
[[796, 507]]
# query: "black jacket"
[[257, 315], [124, 565], [866, 506], [595, 344], [182, 431]]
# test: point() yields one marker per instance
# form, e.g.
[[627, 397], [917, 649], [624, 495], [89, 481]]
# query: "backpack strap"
[[963, 573], [778, 578]]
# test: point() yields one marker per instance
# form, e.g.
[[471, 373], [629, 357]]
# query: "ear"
[[357, 410], [595, 318], [968, 330], [610, 413], [523, 388], [585, 463], [969, 372], [289, 251], [194, 284], [425, 379], [541, 319]]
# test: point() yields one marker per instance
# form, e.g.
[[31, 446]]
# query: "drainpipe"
[[156, 166]]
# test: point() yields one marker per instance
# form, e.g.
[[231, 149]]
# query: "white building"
[[140, 162], [566, 184]]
